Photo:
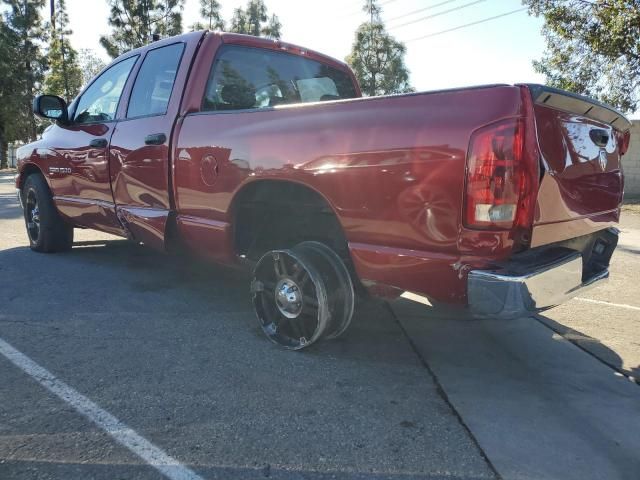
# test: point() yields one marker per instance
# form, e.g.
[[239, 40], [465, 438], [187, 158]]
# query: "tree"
[[377, 58], [135, 22], [239, 21], [210, 12], [90, 64], [10, 105], [64, 78], [254, 20], [273, 28], [593, 48], [22, 63]]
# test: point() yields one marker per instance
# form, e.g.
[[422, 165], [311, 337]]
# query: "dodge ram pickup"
[[253, 152]]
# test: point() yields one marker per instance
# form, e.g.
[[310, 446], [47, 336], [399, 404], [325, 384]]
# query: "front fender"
[[29, 160]]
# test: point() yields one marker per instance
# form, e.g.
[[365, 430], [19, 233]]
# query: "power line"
[[467, 25], [437, 14], [420, 10]]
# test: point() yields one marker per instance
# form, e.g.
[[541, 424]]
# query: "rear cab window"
[[244, 78]]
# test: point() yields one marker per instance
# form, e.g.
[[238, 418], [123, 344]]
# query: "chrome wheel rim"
[[33, 217], [290, 299], [338, 284]]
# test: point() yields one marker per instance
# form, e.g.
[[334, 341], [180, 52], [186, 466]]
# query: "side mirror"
[[51, 107]]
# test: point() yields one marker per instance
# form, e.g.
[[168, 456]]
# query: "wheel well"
[[29, 169], [272, 214]]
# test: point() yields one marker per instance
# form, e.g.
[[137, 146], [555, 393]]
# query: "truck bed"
[[393, 170]]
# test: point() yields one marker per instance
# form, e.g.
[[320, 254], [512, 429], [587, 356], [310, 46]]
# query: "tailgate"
[[582, 183]]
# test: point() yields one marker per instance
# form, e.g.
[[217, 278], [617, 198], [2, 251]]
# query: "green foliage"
[[90, 64], [254, 20], [593, 48], [239, 23], [22, 66], [273, 28], [64, 77], [9, 107], [377, 58], [134, 22], [210, 12]]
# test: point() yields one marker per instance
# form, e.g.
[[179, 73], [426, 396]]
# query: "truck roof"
[[164, 41], [245, 40], [261, 42]]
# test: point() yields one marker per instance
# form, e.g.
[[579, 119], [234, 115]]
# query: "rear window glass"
[[245, 77]]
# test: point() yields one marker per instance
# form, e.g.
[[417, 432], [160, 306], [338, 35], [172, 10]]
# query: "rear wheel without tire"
[[302, 295], [340, 291], [46, 230]]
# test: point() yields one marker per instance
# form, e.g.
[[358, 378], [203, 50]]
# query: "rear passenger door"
[[140, 145]]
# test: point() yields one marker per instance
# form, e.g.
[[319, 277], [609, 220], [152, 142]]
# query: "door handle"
[[155, 139], [98, 143]]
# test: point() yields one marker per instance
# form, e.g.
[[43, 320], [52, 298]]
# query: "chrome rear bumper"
[[503, 295]]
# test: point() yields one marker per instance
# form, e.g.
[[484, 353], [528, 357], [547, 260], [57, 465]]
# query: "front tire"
[[46, 230]]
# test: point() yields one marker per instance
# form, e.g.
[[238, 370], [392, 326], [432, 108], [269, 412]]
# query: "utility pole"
[[53, 13], [372, 92], [65, 73]]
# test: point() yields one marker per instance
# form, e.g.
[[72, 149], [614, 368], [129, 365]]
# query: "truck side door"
[[140, 145], [78, 167]]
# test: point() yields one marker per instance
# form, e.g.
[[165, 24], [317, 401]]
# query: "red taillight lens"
[[624, 141], [496, 177]]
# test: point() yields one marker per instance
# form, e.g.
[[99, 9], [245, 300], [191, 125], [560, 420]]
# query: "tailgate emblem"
[[603, 160]]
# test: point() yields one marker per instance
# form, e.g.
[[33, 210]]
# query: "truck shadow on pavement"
[[204, 286], [540, 404], [172, 344], [590, 345], [138, 279], [594, 347], [634, 251], [187, 272]]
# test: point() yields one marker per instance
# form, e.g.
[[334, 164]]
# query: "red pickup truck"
[[256, 152]]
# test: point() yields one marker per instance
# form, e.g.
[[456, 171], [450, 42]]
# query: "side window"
[[154, 84], [245, 77], [99, 102]]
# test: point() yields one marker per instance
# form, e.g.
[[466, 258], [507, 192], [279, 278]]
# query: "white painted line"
[[600, 302], [124, 435]]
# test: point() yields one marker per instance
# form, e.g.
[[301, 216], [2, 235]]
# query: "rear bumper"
[[516, 291]]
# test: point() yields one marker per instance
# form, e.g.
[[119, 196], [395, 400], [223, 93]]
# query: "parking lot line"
[[120, 432], [600, 302]]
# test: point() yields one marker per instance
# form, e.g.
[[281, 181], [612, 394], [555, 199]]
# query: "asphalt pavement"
[[122, 363]]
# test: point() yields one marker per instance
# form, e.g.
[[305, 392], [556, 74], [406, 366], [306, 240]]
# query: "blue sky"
[[497, 51]]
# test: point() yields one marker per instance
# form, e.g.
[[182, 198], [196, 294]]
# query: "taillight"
[[497, 177], [625, 139]]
